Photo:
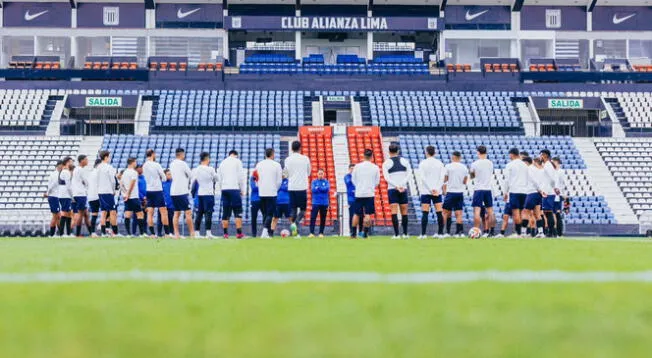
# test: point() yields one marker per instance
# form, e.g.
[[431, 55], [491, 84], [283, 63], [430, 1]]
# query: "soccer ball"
[[475, 233], [285, 233], [293, 229]]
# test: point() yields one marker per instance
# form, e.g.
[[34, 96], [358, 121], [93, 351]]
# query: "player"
[[129, 181], [350, 197], [255, 203], [233, 182], [482, 173], [514, 187], [93, 197], [282, 202], [531, 215], [65, 197], [52, 194], [206, 177], [106, 187], [365, 177], [298, 167], [561, 184], [431, 180], [270, 176], [395, 171], [455, 181], [166, 186], [154, 178], [179, 191], [507, 213], [548, 206], [80, 194], [320, 189]]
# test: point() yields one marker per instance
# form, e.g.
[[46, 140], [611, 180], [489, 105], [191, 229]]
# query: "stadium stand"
[[24, 108], [633, 110], [317, 144], [629, 163], [438, 110], [588, 207]]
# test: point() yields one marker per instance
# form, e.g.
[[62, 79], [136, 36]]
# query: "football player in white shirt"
[[531, 214], [52, 194], [129, 182], [457, 175], [233, 183], [514, 188], [180, 190], [270, 176], [106, 187], [65, 197], [396, 170], [298, 169], [431, 180], [559, 199], [93, 197], [482, 173], [205, 176], [80, 194], [365, 177], [154, 177], [548, 206]]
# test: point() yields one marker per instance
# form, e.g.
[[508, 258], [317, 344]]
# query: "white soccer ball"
[[475, 233], [285, 233]]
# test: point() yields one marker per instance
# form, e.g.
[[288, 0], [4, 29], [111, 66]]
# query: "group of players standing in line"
[[532, 187]]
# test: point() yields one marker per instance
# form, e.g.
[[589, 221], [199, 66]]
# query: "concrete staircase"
[[143, 117], [341, 161], [54, 125], [604, 183], [90, 146]]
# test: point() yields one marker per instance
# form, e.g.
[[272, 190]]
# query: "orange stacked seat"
[[201, 67], [172, 66], [115, 66], [210, 67], [163, 66], [467, 68], [105, 65], [97, 65], [183, 66], [488, 68], [153, 66], [317, 144], [133, 65], [450, 67], [218, 66], [39, 66]]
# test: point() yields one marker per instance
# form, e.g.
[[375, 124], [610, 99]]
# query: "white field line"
[[328, 277]]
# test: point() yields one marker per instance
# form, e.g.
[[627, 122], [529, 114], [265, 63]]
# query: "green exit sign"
[[565, 103], [103, 101]]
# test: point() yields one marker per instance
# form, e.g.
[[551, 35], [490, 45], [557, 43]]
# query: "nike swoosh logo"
[[30, 17], [181, 14], [617, 20], [470, 16]]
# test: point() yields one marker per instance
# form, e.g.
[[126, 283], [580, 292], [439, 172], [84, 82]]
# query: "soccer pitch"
[[328, 297]]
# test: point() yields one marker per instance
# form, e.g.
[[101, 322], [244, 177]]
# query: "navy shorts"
[[155, 199], [53, 202], [508, 209], [206, 203], [79, 204], [548, 203], [532, 200], [558, 206], [430, 199], [517, 200], [454, 202], [483, 198], [107, 202], [65, 204], [180, 202], [396, 197], [133, 205], [282, 211], [298, 200], [231, 199], [94, 205], [365, 206]]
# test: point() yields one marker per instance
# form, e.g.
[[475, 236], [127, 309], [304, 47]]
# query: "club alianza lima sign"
[[333, 23], [103, 101], [565, 103]]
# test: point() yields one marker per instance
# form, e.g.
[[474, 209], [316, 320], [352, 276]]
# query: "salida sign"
[[565, 103], [103, 101]]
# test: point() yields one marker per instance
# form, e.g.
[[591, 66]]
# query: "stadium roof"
[[587, 3]]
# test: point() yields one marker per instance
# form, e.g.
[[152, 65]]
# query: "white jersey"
[[53, 184], [65, 184], [270, 176], [80, 181], [206, 177], [533, 179], [432, 174], [550, 178], [483, 169], [232, 175], [106, 179], [92, 185], [561, 182], [456, 173], [181, 175], [154, 176], [365, 177], [298, 167], [516, 177], [128, 176], [396, 171]]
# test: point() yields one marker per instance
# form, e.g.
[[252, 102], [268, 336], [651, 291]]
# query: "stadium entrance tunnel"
[[337, 110], [576, 117], [97, 115]]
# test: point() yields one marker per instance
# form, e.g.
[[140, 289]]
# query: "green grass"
[[481, 319]]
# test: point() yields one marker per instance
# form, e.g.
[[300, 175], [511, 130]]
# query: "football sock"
[[404, 223], [53, 229], [68, 223], [560, 224], [459, 228], [502, 232], [354, 231], [62, 223], [449, 223], [208, 218], [93, 222], [424, 221], [151, 230], [440, 223], [128, 226], [238, 231], [78, 230], [141, 226], [114, 228], [103, 228], [166, 228], [517, 229], [225, 230], [395, 224], [526, 224]]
